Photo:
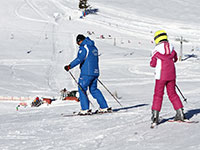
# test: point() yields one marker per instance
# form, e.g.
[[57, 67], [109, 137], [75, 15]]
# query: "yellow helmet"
[[160, 36]]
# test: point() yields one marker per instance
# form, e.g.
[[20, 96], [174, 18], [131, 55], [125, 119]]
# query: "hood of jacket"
[[88, 42]]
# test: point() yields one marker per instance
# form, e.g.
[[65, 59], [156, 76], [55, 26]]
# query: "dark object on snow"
[[72, 96], [36, 102], [67, 95], [91, 11], [189, 56], [83, 4], [60, 51]]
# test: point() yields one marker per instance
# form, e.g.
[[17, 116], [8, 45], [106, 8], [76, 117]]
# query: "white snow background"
[[37, 39]]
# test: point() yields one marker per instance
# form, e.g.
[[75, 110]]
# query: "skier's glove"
[[67, 68]]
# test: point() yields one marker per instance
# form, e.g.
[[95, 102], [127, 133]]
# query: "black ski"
[[91, 114], [77, 114]]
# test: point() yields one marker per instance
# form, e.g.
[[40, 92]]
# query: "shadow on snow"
[[189, 114], [129, 107]]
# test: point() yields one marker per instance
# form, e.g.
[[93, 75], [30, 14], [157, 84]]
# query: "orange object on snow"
[[71, 98], [48, 100]]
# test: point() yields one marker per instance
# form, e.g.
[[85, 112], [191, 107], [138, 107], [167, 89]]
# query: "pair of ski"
[[90, 114], [153, 125]]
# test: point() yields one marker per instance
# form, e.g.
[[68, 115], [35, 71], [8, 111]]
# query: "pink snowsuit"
[[163, 59]]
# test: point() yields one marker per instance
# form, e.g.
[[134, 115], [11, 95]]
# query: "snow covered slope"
[[38, 39]]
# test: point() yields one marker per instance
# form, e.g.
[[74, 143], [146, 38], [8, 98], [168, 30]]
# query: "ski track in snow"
[[31, 4]]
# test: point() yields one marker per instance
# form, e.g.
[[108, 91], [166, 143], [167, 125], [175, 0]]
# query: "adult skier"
[[163, 58], [89, 64]]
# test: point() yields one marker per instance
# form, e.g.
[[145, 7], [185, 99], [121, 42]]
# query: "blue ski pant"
[[91, 82]]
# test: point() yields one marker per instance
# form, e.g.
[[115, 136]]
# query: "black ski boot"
[[180, 116], [154, 118]]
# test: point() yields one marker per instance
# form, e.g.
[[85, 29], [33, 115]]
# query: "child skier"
[[88, 59], [163, 59]]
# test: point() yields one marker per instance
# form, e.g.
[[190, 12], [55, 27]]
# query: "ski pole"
[[110, 93], [185, 100], [80, 86]]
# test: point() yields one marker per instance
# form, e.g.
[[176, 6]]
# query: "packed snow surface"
[[38, 40]]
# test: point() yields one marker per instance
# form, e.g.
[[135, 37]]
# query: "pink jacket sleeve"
[[153, 61], [175, 56]]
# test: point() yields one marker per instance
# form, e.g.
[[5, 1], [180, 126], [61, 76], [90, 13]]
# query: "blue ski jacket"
[[87, 58]]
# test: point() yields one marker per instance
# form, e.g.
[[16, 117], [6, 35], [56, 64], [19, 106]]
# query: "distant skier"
[[36, 102], [64, 93], [163, 58], [89, 64]]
